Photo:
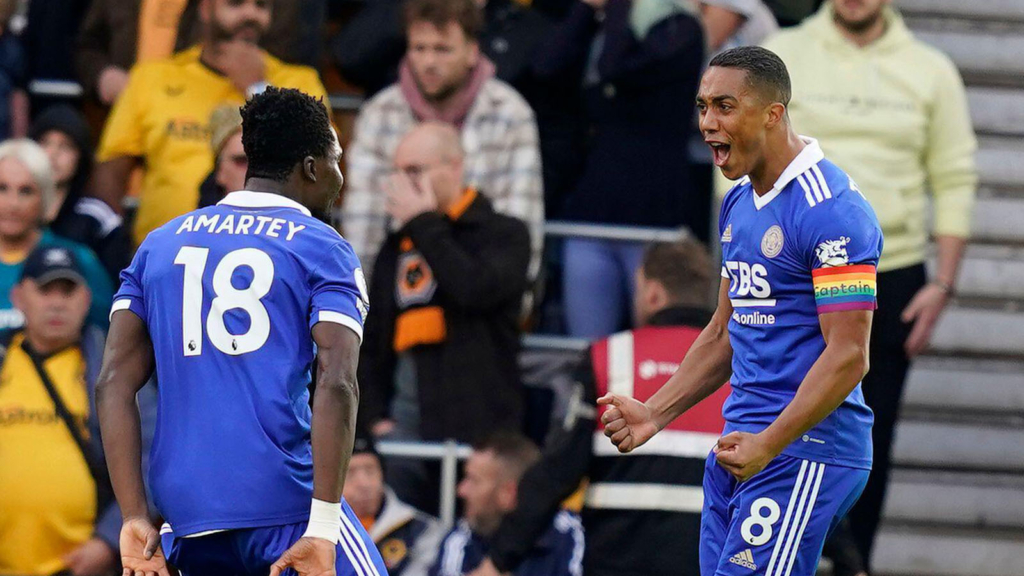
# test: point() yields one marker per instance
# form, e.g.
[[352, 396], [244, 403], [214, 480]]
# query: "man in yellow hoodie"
[[892, 112], [161, 119]]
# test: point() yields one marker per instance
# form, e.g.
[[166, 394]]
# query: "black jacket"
[[638, 99], [85, 220], [568, 458], [468, 385]]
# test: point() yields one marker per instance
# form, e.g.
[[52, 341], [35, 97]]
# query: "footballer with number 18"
[[799, 250], [233, 306]]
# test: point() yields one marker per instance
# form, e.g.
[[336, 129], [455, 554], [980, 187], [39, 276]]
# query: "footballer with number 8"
[[799, 250], [233, 305]]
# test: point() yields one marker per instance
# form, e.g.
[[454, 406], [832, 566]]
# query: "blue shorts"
[[775, 523], [251, 551]]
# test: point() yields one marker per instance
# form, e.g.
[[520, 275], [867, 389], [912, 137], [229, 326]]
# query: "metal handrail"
[[559, 228], [554, 342], [345, 102], [448, 452], [55, 88]]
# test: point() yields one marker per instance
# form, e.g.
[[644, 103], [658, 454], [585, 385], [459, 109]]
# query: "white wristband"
[[324, 521]]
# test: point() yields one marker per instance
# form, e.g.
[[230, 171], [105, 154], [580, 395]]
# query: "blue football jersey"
[[808, 247], [229, 294]]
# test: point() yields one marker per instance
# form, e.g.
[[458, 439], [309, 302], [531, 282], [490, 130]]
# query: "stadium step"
[[974, 331], [998, 220], [984, 10], [964, 387], [997, 111], [999, 162], [988, 502], [965, 447], [992, 272], [923, 551], [984, 54]]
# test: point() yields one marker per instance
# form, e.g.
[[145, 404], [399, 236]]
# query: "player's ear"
[[309, 168], [776, 114]]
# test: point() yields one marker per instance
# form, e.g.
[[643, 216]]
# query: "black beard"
[[443, 94], [221, 34]]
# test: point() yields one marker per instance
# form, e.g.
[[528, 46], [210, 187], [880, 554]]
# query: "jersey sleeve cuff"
[[343, 319], [127, 303]]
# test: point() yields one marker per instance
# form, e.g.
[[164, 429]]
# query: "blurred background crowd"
[[533, 206]]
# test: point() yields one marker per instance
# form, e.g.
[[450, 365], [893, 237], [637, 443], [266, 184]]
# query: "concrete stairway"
[[956, 504]]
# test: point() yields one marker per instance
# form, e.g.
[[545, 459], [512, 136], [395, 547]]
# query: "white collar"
[[248, 199], [808, 157]]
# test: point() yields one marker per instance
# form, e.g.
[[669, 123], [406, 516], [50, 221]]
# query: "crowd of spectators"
[[480, 121]]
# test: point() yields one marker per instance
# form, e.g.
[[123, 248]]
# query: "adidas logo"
[[727, 237], [745, 559]]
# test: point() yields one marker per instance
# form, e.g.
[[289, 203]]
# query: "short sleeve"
[[123, 133], [843, 250], [129, 295], [338, 290]]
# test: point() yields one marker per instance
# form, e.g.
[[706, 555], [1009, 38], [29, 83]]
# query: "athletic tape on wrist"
[[324, 521]]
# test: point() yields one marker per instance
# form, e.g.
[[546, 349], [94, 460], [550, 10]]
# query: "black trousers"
[[851, 545]]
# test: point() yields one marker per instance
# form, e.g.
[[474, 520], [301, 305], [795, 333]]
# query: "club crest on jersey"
[[771, 243], [727, 237], [833, 252]]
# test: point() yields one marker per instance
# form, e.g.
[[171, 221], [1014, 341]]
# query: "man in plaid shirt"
[[444, 77]]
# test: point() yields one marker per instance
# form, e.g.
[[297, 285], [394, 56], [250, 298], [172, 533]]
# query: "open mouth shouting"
[[720, 151]]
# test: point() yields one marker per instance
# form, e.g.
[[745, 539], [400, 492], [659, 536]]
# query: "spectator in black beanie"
[[406, 538], [64, 134]]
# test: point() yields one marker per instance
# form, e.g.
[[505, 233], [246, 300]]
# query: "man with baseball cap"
[[48, 430]]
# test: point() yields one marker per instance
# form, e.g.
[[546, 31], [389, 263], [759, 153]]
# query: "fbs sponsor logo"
[[754, 318], [745, 559]]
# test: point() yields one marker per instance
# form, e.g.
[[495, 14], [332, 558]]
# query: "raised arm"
[[127, 364], [706, 367]]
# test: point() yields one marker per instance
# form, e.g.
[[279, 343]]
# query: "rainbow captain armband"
[[844, 288]]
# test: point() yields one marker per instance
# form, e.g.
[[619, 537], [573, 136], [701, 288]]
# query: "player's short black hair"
[[766, 72], [683, 268], [280, 127]]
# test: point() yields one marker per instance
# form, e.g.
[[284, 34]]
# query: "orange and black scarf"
[[420, 318]]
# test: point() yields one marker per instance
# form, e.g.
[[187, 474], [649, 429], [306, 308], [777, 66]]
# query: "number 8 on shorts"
[[775, 523]]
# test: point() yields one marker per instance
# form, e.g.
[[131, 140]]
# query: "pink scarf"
[[460, 102]]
